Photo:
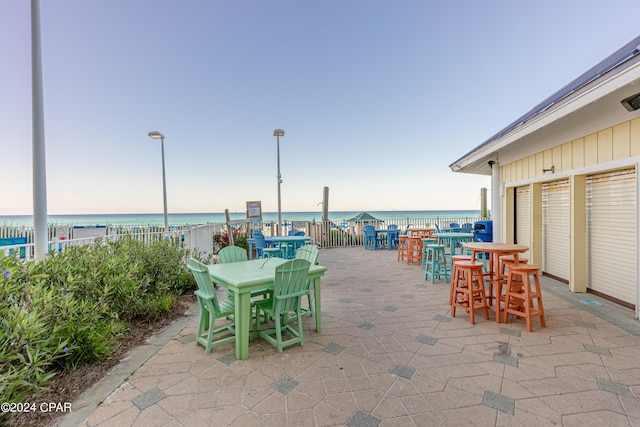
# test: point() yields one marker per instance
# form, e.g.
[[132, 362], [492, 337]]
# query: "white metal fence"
[[327, 234]]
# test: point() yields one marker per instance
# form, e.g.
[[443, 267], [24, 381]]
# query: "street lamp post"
[[157, 135], [278, 133]]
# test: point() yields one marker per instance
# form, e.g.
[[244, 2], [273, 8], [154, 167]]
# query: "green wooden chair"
[[310, 253], [290, 285], [232, 254], [210, 309], [236, 254]]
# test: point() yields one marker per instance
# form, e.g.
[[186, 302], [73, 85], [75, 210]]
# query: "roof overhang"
[[591, 107]]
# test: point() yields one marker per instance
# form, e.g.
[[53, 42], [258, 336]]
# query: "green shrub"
[[72, 308]]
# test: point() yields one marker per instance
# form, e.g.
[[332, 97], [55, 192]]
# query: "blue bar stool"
[[425, 243], [437, 261]]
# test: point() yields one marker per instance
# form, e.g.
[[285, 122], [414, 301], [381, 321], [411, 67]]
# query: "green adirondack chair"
[[232, 254], [236, 254], [310, 253], [291, 283], [210, 309]]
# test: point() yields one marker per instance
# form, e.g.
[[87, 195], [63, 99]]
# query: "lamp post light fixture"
[[157, 135], [278, 133]]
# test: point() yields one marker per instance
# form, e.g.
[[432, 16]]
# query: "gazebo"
[[364, 218]]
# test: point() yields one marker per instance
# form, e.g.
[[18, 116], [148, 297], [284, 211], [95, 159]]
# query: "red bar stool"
[[402, 246], [454, 274], [414, 250], [524, 297], [469, 292], [506, 260]]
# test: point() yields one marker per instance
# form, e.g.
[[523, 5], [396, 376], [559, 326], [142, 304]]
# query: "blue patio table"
[[390, 232], [293, 242], [454, 239], [452, 229], [245, 276], [297, 240]]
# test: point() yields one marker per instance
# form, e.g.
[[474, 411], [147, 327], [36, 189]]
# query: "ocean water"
[[203, 218]]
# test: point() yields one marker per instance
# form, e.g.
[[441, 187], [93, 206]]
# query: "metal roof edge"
[[623, 55]]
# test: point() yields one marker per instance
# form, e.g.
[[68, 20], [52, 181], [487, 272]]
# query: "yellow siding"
[[605, 145], [577, 153], [547, 156], [504, 172], [556, 158], [591, 149], [621, 143], [614, 143], [512, 171], [634, 136], [519, 170], [539, 163], [567, 161], [532, 167]]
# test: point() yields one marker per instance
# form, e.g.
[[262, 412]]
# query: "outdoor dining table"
[[495, 250], [245, 276], [390, 232], [454, 239], [420, 231], [295, 241]]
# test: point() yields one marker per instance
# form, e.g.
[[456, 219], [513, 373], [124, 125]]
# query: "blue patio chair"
[[467, 227], [454, 226], [369, 237], [393, 239], [262, 251], [289, 249]]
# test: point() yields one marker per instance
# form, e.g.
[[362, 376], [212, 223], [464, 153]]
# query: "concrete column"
[[496, 201], [578, 240]]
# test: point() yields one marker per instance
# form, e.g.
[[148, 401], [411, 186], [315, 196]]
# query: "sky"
[[376, 97]]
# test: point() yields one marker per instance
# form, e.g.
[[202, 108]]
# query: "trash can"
[[483, 231]]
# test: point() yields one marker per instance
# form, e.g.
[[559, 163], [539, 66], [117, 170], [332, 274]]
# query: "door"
[[556, 227], [612, 234]]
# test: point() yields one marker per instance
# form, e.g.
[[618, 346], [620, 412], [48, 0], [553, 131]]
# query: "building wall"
[[611, 148], [613, 143]]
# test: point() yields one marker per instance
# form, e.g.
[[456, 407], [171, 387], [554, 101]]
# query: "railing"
[[326, 234], [8, 232], [55, 245]]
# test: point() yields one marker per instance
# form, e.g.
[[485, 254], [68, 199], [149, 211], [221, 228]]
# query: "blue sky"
[[376, 98]]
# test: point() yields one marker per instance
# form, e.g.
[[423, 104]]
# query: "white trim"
[[587, 170], [555, 112], [496, 202], [637, 246]]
